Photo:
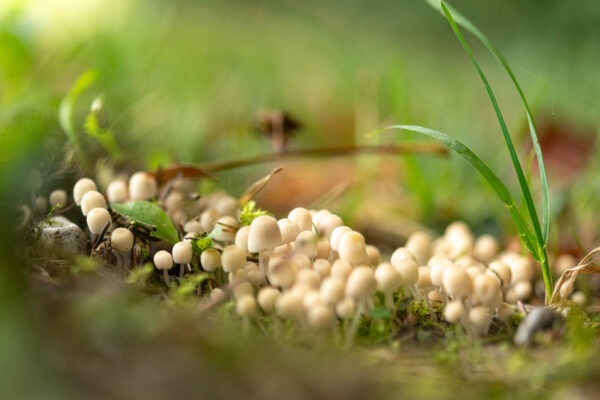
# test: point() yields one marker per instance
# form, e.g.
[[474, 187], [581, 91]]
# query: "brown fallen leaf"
[[566, 281]]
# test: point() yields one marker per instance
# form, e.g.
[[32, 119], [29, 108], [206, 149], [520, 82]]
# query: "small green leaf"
[[94, 128], [249, 213], [150, 214], [381, 312]]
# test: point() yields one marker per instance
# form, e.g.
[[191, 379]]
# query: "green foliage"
[[381, 312], [139, 275], [148, 213], [187, 286], [83, 265], [67, 106], [202, 244], [249, 212]]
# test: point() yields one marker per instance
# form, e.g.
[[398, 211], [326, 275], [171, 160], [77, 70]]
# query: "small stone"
[[538, 320], [59, 237]]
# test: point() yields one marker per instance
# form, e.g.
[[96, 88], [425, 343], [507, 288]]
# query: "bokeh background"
[[182, 82]]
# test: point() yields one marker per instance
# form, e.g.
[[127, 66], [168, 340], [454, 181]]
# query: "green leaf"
[[381, 312], [104, 135], [524, 231], [249, 213], [67, 105], [150, 214], [465, 23]]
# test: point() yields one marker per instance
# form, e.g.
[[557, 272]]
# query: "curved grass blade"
[[513, 154], [524, 231], [468, 25]]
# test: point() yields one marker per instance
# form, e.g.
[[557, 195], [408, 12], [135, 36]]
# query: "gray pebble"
[[538, 320], [59, 237]]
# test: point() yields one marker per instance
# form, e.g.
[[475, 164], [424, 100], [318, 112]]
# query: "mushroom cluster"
[[309, 267]]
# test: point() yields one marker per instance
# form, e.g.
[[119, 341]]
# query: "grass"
[[533, 235]]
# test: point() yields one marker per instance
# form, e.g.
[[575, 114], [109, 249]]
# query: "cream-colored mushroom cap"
[[282, 272], [361, 283], [142, 186], [58, 197], [332, 290], [97, 220], [424, 280], [321, 317], [373, 254], [267, 297], [336, 235], [419, 244], [323, 267], [289, 305], [408, 270], [345, 308], [503, 272], [307, 243], [486, 247], [228, 228], [163, 260], [242, 289], [121, 239], [233, 258], [437, 270], [182, 252], [246, 306], [456, 282], [453, 311], [327, 224], [388, 279], [341, 269], [210, 259], [352, 248], [82, 186], [217, 295], [289, 230], [479, 317], [486, 287], [302, 218], [401, 254], [241, 237], [117, 192], [264, 234], [91, 200]]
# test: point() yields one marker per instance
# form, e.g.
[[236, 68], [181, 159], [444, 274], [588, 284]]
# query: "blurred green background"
[[181, 81]]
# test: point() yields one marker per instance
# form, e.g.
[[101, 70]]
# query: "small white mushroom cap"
[[193, 226], [117, 192], [82, 186], [41, 203], [217, 295], [434, 296], [401, 254], [323, 267], [352, 248], [226, 205], [311, 298], [210, 259], [242, 289], [174, 201], [327, 224], [208, 219], [486, 247], [419, 244], [228, 225], [479, 318], [308, 277], [505, 312], [336, 235], [163, 260], [302, 261], [233, 258], [453, 311], [241, 237], [503, 272], [486, 287], [522, 290], [91, 200], [373, 254], [302, 218], [319, 215], [289, 230], [332, 290], [182, 252], [424, 280], [142, 186], [579, 298], [245, 306], [341, 269], [321, 317], [307, 243], [323, 248], [345, 308], [456, 282], [57, 197], [437, 270], [387, 278], [267, 297], [289, 305], [97, 220], [282, 272], [520, 266], [264, 234], [121, 239], [361, 283], [408, 270]]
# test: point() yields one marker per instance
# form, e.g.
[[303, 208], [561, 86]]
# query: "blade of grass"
[[513, 155], [503, 193], [465, 23]]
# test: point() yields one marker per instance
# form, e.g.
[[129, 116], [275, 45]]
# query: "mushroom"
[[122, 240], [163, 261], [82, 186], [264, 236], [233, 258], [307, 243], [453, 311], [142, 186], [58, 197], [302, 218], [388, 281], [210, 259], [182, 255], [91, 200], [486, 248], [332, 290], [117, 191], [352, 248], [97, 219], [419, 244], [267, 297]]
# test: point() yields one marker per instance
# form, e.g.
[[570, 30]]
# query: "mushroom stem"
[[181, 268], [166, 276], [261, 262], [355, 321]]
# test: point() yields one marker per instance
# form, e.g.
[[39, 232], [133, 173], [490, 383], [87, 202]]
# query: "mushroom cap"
[[478, 317], [453, 311], [408, 270], [122, 239], [332, 290], [289, 230], [82, 186], [388, 279], [336, 235], [233, 258], [456, 282], [142, 186], [210, 259], [242, 289], [289, 305], [424, 280], [57, 197], [400, 254], [352, 248], [90, 200], [327, 224], [345, 308], [486, 247], [486, 287], [522, 289], [302, 218], [322, 266], [341, 269], [437, 270], [228, 225], [217, 295], [246, 306], [163, 260], [97, 220], [182, 252], [282, 272], [117, 191], [264, 234], [308, 277], [267, 297], [373, 254], [307, 243], [241, 237], [419, 244], [321, 317], [361, 283]]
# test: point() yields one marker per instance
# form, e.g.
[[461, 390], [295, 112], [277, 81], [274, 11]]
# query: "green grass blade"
[[465, 23], [503, 193]]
